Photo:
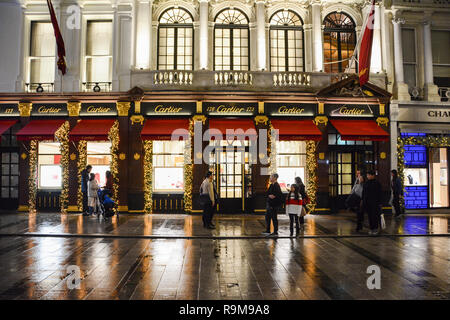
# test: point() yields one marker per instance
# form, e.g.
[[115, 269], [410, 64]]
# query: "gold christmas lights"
[[113, 136], [188, 166], [82, 162], [62, 136], [148, 171]]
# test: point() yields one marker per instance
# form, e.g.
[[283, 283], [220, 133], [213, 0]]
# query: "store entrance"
[[438, 178], [232, 175]]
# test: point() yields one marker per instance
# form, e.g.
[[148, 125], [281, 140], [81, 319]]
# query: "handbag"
[[303, 212], [352, 201], [382, 222]]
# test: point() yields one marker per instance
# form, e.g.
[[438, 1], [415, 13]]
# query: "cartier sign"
[[49, 109], [351, 110], [9, 110], [168, 108], [98, 109], [230, 108], [421, 114], [290, 109]]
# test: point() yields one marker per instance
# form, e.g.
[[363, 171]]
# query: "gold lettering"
[[169, 109], [9, 110], [93, 109], [351, 111], [44, 109], [291, 110], [229, 109]]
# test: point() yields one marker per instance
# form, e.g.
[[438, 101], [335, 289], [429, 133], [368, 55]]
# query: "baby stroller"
[[106, 204]]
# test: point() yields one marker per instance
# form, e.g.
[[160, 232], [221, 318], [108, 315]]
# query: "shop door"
[[232, 175], [9, 183], [439, 178]]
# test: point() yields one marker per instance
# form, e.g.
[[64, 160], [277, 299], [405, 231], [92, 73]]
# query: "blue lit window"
[[412, 134], [415, 155], [416, 197]]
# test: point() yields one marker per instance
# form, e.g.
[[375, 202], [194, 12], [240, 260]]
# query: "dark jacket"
[[84, 180], [275, 189], [371, 195], [302, 190], [396, 186]]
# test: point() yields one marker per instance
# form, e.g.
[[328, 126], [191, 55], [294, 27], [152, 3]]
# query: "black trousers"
[[85, 202], [396, 205], [374, 213], [271, 215], [293, 218], [207, 213], [359, 217]]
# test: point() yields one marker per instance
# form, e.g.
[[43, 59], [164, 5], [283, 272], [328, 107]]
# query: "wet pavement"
[[174, 257]]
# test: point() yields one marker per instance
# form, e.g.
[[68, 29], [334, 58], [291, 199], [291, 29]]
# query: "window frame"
[[286, 48], [98, 154], [155, 166], [415, 55], [39, 187], [290, 154], [29, 55]]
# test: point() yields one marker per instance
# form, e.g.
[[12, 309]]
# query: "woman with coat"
[[294, 208], [302, 191], [92, 193], [396, 187]]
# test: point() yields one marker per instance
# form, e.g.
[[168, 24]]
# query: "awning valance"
[[5, 125], [296, 130], [91, 130], [360, 130], [39, 130], [230, 129], [165, 129]]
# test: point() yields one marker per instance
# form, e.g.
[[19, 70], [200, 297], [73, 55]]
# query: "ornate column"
[[203, 38], [317, 37], [122, 110], [402, 87], [261, 35], [24, 160], [143, 14], [431, 90], [74, 155]]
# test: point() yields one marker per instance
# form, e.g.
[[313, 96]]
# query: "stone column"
[[203, 38], [376, 62], [143, 29], [431, 90], [402, 87], [24, 159], [394, 109], [122, 111], [261, 35], [317, 37], [74, 108]]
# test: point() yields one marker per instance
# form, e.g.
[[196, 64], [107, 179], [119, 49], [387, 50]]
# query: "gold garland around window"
[[148, 172], [62, 136], [32, 185], [113, 136], [82, 163], [188, 167], [311, 175], [272, 149]]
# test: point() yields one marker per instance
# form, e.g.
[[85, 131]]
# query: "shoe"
[[211, 227], [85, 214], [274, 234], [212, 224], [373, 232], [265, 232]]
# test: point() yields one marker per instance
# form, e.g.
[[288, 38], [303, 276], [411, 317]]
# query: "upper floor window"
[[286, 42], [41, 56], [409, 56], [339, 42], [99, 54], [175, 33], [440, 40], [231, 40]]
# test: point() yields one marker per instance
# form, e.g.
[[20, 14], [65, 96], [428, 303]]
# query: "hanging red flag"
[[59, 39], [365, 50]]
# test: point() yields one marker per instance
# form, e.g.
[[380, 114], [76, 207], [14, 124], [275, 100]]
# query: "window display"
[[416, 177], [49, 164], [291, 162], [168, 166], [99, 157]]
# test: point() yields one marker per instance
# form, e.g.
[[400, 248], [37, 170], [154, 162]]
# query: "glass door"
[[9, 169], [438, 178]]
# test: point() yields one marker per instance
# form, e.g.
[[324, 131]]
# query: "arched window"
[[286, 42], [339, 41], [175, 33], [231, 41]]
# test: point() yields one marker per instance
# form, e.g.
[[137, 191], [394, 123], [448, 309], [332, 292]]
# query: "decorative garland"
[[113, 136], [188, 166], [148, 171], [82, 162], [272, 149], [311, 175], [428, 141], [62, 136], [32, 185]]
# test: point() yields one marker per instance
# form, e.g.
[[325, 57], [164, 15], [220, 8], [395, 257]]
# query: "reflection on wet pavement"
[[321, 267]]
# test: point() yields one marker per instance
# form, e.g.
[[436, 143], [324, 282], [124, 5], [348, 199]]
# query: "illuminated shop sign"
[[49, 109], [9, 110], [98, 109], [424, 114], [290, 109], [168, 108], [351, 110], [230, 109]]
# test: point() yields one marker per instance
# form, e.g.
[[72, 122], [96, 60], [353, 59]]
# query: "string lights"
[[188, 169], [113, 136], [82, 162], [62, 136], [148, 171], [32, 185]]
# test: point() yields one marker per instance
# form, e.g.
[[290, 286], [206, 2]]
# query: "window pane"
[[409, 45], [98, 69], [168, 179], [99, 38], [49, 148], [441, 46], [42, 39], [50, 176], [42, 70]]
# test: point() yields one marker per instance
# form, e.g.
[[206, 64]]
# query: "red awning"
[[39, 130], [234, 128], [6, 124], [91, 130], [296, 130], [360, 130], [163, 129]]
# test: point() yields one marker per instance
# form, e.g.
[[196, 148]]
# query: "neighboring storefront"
[[423, 152], [147, 142]]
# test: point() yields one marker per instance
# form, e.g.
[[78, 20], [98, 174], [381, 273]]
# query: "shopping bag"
[[382, 222]]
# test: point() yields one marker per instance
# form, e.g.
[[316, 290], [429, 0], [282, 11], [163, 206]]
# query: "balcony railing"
[[35, 87], [97, 86], [238, 80], [444, 93]]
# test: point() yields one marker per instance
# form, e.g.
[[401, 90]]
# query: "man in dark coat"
[[274, 202], [371, 197], [84, 187]]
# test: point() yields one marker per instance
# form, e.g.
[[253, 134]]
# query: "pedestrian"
[[294, 208], [371, 197], [396, 187], [207, 199], [305, 198], [92, 193], [84, 187], [108, 189], [274, 202], [358, 190], [216, 202]]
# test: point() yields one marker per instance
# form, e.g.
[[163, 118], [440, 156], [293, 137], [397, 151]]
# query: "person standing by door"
[[294, 208], [84, 188], [207, 199], [274, 202], [92, 194], [305, 198], [396, 187], [371, 198]]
